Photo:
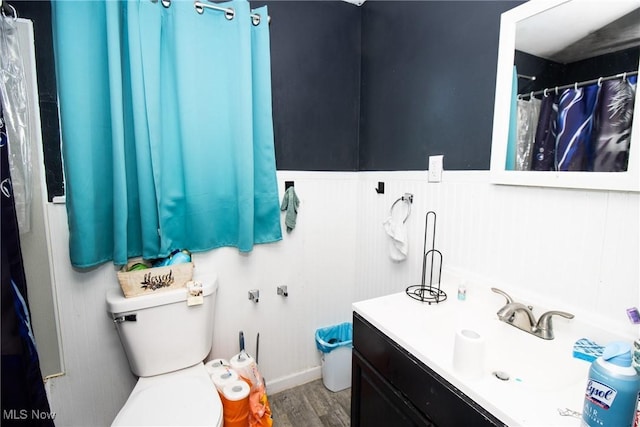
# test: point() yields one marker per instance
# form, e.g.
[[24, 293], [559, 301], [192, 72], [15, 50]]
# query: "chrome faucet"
[[518, 315], [521, 316]]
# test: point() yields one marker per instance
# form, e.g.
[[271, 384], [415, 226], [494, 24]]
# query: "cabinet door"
[[375, 403]]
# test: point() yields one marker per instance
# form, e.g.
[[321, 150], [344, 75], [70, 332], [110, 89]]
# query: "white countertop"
[[544, 375]]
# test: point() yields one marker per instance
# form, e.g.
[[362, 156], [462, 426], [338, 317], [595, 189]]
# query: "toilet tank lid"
[[117, 303]]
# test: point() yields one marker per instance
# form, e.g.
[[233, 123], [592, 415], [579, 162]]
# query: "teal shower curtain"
[[166, 127]]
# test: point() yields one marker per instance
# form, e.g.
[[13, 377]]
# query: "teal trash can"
[[335, 343]]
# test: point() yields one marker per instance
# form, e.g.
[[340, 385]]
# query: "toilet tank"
[[160, 333]]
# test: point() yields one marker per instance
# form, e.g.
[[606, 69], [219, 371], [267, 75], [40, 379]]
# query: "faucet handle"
[[504, 294], [546, 317], [545, 327]]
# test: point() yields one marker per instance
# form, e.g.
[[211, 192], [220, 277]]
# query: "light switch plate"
[[435, 168]]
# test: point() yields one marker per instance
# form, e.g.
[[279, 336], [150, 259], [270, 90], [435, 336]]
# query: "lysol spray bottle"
[[612, 389]]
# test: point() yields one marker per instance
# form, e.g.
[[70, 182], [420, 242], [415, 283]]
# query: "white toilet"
[[166, 342]]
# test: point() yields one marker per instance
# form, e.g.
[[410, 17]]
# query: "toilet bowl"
[[166, 342], [182, 398]]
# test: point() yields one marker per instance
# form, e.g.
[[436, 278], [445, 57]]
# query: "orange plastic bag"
[[259, 409]]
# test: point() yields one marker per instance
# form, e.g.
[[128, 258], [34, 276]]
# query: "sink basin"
[[532, 363]]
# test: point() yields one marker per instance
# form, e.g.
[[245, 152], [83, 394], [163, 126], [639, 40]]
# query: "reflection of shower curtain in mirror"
[[544, 144], [613, 124], [582, 129], [528, 113], [167, 128], [576, 108]]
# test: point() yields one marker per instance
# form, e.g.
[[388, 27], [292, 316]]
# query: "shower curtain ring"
[[255, 19], [7, 6], [229, 13], [600, 82], [166, 3], [544, 92]]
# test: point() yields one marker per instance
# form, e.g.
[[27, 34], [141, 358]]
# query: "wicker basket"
[[153, 279]]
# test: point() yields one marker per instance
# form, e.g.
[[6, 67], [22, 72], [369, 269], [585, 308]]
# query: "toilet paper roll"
[[215, 363], [469, 353], [236, 390], [235, 404], [243, 364], [223, 376]]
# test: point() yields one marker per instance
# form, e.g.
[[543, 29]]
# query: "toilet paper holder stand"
[[430, 293]]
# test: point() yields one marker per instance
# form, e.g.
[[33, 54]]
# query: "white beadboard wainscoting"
[[580, 249]]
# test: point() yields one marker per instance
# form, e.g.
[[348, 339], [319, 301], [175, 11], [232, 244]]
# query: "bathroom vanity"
[[403, 372], [390, 386]]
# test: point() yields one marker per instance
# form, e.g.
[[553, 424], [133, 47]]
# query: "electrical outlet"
[[435, 168]]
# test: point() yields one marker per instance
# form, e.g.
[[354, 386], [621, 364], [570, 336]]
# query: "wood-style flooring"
[[311, 405]]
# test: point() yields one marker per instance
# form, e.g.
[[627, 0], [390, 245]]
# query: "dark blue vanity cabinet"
[[391, 387]]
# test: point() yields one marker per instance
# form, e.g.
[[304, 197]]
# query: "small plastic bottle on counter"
[[462, 291], [612, 390]]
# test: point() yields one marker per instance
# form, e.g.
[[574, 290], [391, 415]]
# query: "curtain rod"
[[580, 84], [524, 76], [229, 13]]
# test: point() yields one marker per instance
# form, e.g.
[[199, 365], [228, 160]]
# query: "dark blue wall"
[[315, 63], [428, 83], [385, 85]]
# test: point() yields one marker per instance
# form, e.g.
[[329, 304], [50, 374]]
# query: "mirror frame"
[[619, 181]]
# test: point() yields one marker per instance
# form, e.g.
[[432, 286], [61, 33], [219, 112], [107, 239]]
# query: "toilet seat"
[[182, 398]]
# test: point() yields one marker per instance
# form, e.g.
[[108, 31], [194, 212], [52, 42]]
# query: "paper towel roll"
[[243, 364], [235, 404], [468, 353], [223, 376], [215, 363]]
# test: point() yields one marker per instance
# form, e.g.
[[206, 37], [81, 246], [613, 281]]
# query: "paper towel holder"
[[430, 293]]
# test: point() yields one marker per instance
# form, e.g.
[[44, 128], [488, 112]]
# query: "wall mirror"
[[565, 44], [35, 245]]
